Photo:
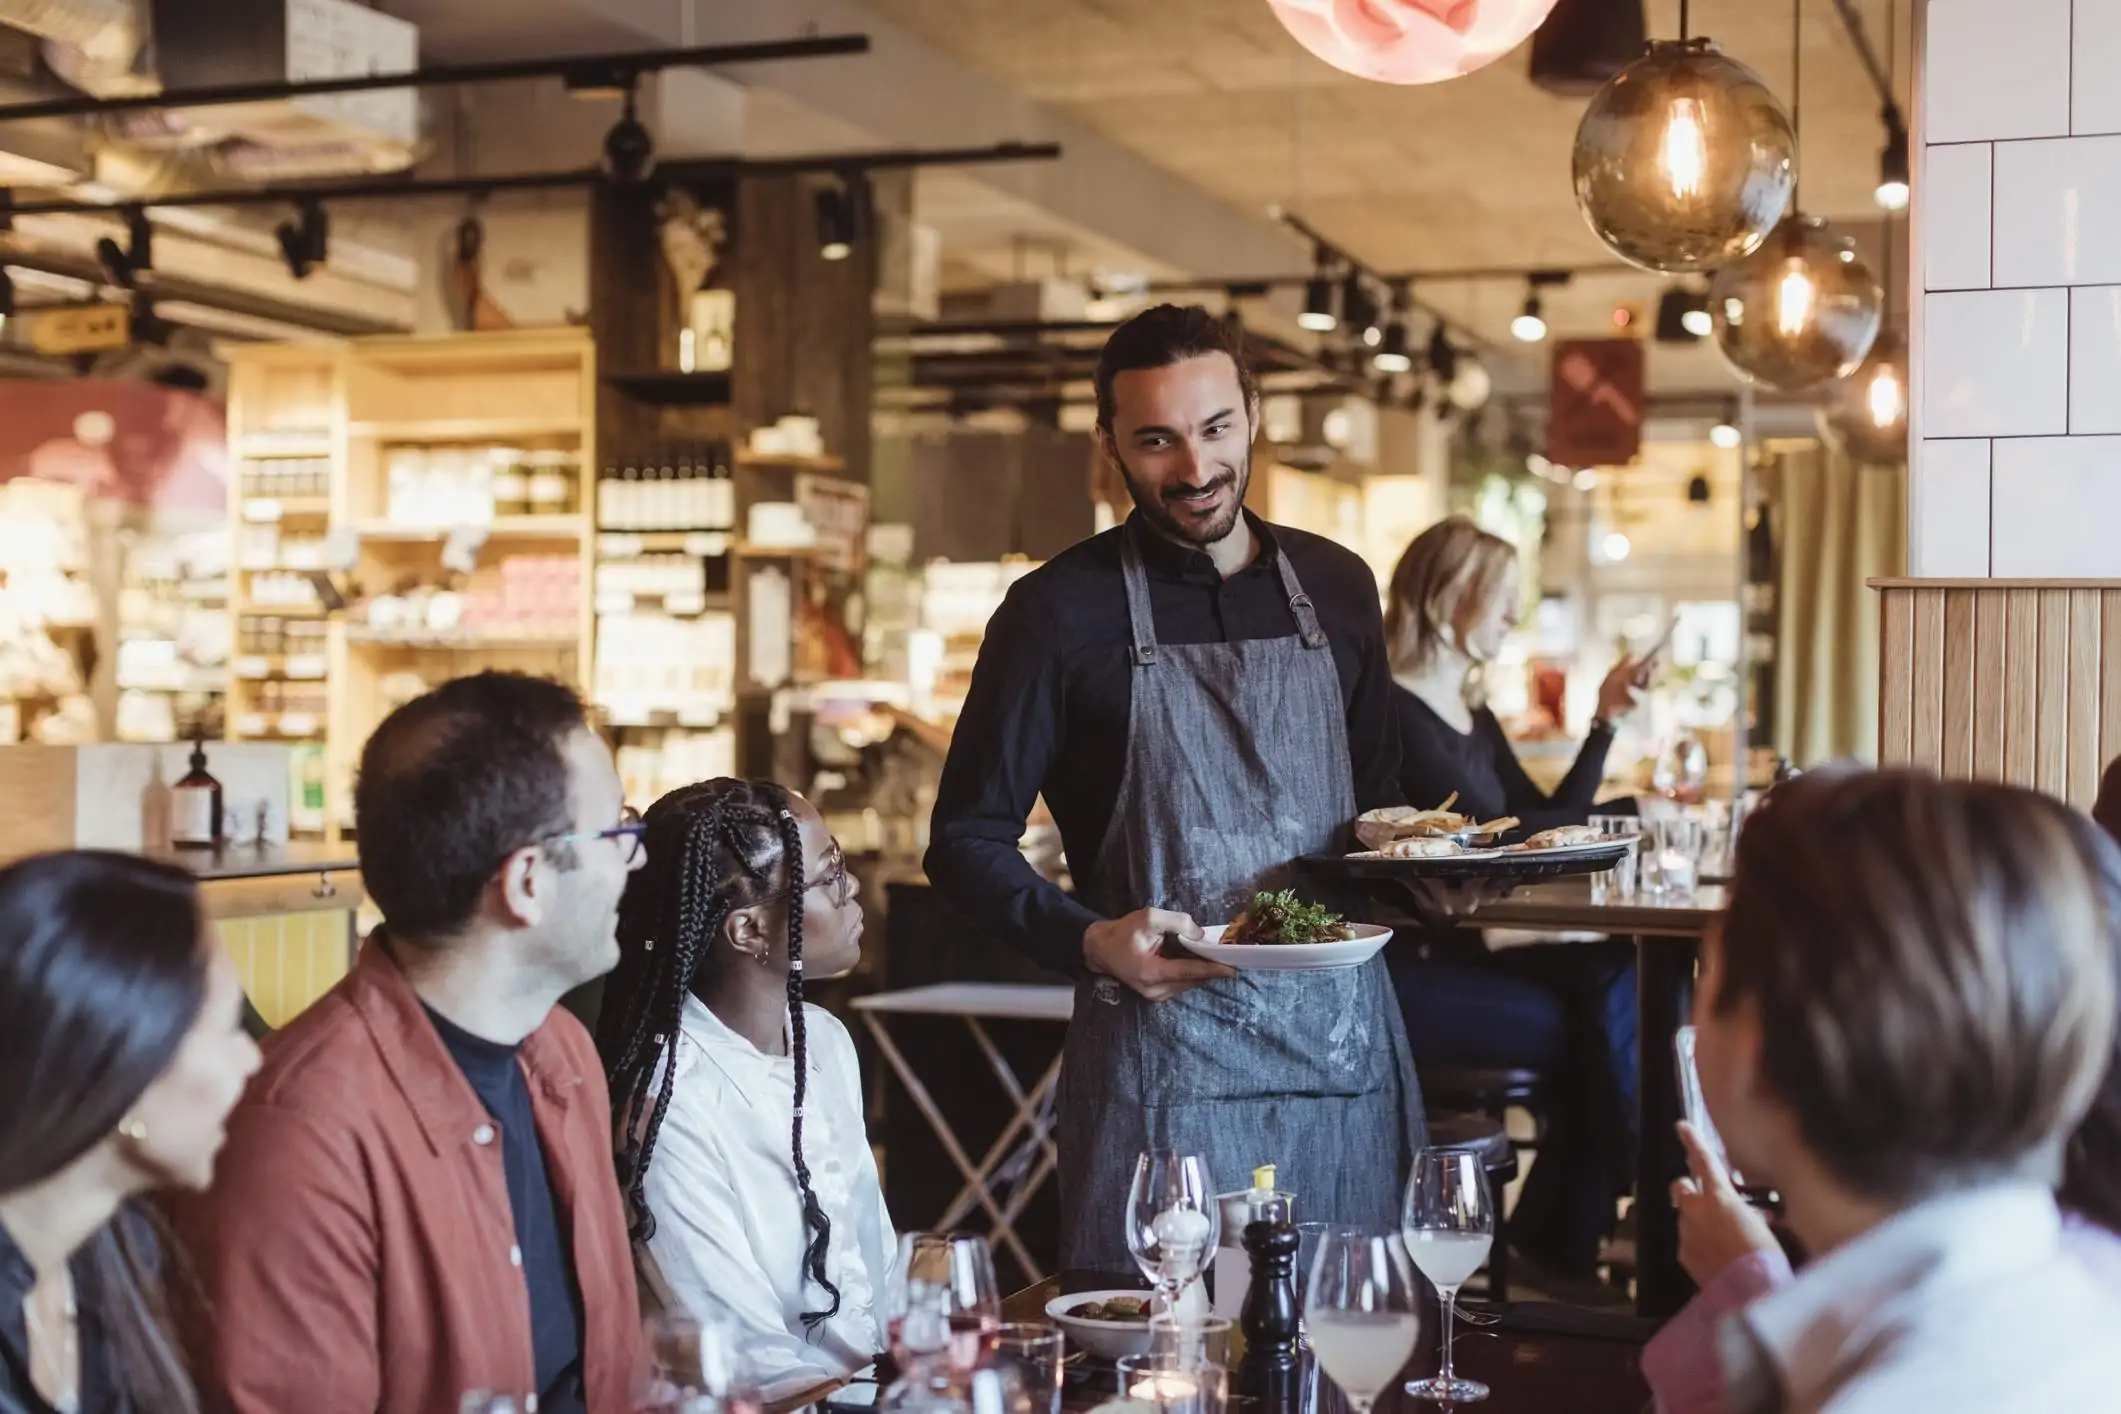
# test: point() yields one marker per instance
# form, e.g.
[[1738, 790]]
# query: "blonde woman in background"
[[1563, 1010]]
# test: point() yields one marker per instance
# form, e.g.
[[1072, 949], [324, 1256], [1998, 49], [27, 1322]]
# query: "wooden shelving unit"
[[367, 407]]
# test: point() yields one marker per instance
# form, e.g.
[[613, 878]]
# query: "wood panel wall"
[[2007, 680]]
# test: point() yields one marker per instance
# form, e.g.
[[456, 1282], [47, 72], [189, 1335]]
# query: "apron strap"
[[1142, 647], [1300, 605]]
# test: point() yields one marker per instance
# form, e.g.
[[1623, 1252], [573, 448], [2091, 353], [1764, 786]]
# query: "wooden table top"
[[1539, 1359], [1568, 906]]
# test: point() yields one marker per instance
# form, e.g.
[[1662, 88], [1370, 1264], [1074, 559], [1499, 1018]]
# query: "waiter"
[[1202, 699]]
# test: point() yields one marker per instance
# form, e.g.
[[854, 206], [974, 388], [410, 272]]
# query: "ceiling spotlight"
[[1697, 489], [1725, 433], [1392, 355], [835, 223], [1317, 313], [1358, 311], [149, 327], [1892, 193], [1530, 325], [1442, 357], [305, 243], [1683, 316], [1616, 546], [139, 240], [629, 151]]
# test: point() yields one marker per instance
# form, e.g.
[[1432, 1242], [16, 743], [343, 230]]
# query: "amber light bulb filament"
[[1793, 299], [1686, 150], [1885, 398]]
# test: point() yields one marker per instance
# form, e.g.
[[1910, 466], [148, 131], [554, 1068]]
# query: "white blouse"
[[729, 1229]]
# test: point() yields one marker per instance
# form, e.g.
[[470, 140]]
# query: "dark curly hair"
[[713, 848]]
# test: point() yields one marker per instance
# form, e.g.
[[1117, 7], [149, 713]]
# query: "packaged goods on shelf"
[[652, 764], [650, 666]]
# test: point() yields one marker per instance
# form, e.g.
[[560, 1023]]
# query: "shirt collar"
[[411, 1050], [1167, 559], [1807, 1337]]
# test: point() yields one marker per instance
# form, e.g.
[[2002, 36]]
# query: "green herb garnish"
[[1282, 917]]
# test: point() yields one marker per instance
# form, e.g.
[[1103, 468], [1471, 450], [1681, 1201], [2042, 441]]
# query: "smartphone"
[[1693, 1105], [860, 1392]]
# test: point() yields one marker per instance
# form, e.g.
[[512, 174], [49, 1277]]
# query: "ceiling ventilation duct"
[[1585, 42], [267, 41]]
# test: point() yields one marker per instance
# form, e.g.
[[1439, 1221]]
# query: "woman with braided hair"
[[741, 1146]]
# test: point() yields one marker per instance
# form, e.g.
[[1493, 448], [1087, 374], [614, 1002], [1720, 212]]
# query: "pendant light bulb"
[[1685, 160], [1686, 150], [1698, 322], [1725, 434], [1885, 400], [1800, 312], [1892, 192], [1866, 415]]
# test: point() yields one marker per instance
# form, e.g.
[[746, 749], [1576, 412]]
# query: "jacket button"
[[482, 1135], [515, 1255], [530, 1404]]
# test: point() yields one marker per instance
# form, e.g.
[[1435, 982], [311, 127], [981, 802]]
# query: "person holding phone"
[[1564, 1010]]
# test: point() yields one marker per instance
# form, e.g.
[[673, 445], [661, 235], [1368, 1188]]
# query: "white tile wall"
[[2056, 503], [2095, 360], [1997, 69], [2017, 422], [2058, 210], [1996, 363], [1948, 503], [2095, 79], [1955, 210]]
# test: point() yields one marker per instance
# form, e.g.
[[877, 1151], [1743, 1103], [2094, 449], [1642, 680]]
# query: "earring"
[[135, 1130]]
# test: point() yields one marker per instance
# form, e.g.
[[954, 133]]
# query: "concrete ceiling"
[[1185, 120]]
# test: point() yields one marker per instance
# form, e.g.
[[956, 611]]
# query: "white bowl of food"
[[1109, 1324], [1279, 932]]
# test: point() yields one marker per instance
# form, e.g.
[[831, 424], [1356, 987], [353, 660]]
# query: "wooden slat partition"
[[2012, 680]]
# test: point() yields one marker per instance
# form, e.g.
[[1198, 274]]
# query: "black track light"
[[1317, 313], [835, 222], [1530, 325], [629, 151], [149, 327], [1697, 489], [1683, 316], [1442, 357], [139, 240], [1393, 355], [1892, 193], [305, 243], [1358, 311]]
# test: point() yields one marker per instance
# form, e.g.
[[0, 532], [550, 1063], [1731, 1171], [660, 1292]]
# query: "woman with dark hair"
[[742, 1150], [125, 1053], [1730, 1251]]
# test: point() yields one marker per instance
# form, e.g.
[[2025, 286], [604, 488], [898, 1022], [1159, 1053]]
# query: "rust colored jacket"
[[357, 1251]]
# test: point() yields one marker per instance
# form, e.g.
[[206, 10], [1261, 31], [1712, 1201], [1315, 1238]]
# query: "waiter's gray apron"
[[1237, 765]]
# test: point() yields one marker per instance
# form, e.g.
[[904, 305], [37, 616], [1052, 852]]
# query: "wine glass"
[[1362, 1312], [1449, 1222], [1173, 1220], [960, 1265]]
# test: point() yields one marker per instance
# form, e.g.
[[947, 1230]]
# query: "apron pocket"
[[1267, 1036]]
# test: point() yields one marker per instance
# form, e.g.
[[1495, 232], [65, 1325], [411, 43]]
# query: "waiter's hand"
[[1128, 949]]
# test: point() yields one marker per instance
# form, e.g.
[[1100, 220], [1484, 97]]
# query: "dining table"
[[1666, 930], [1535, 1358]]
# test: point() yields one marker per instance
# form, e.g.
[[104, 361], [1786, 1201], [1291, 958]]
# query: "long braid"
[[814, 1219], [674, 909]]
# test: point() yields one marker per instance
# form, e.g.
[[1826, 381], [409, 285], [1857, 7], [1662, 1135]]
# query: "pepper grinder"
[[1269, 1374]]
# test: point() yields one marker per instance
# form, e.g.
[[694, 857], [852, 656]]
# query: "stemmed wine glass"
[[1173, 1220], [1449, 1222], [956, 1263], [1362, 1313]]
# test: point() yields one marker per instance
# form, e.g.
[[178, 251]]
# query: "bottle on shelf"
[[512, 483], [195, 804]]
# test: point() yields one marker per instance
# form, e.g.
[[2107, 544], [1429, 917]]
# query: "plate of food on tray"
[[1402, 824], [1280, 932]]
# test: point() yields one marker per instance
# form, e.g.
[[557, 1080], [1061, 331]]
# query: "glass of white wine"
[[1450, 1224], [1362, 1313]]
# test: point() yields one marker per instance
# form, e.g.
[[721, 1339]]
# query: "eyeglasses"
[[631, 829], [837, 883]]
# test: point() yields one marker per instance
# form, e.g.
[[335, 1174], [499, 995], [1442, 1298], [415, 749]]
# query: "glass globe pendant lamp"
[[1799, 311], [1685, 160], [1867, 415], [1410, 41]]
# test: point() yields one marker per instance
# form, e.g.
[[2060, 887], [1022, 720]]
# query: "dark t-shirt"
[[496, 1076]]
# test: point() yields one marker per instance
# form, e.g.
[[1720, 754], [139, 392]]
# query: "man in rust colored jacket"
[[417, 1197]]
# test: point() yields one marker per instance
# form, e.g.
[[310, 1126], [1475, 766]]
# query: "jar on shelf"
[[511, 481]]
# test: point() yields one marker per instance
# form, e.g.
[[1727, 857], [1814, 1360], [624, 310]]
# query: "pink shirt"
[[1680, 1362]]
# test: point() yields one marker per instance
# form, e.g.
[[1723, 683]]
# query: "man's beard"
[[1157, 512]]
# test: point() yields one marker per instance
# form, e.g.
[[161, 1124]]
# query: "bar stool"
[[1498, 1159]]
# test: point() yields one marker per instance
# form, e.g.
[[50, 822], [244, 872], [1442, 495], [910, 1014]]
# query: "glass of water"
[[1199, 1340], [1675, 842], [1038, 1353], [1620, 880]]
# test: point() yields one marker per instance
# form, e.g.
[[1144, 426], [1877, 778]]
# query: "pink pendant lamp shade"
[[1410, 41]]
